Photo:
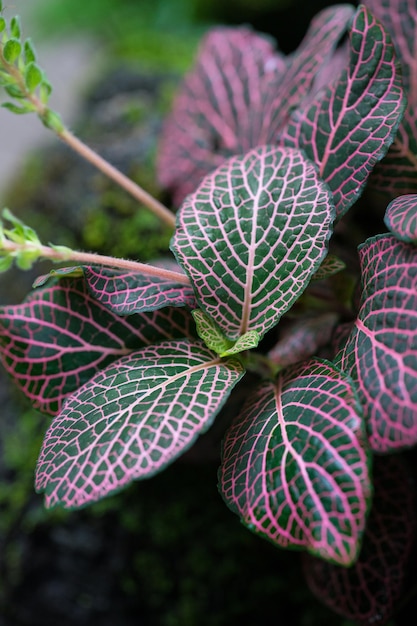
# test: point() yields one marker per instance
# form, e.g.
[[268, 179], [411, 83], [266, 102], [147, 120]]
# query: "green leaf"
[[45, 90], [26, 259], [6, 79], [5, 263], [53, 121], [132, 419], [214, 339], [330, 266], [246, 342], [66, 272], [29, 51], [63, 337], [21, 233], [2, 24], [33, 76], [20, 110], [252, 235], [12, 49], [295, 464], [210, 333], [15, 28], [14, 91]]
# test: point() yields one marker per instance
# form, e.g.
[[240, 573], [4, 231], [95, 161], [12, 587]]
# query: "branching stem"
[[63, 254], [161, 211]]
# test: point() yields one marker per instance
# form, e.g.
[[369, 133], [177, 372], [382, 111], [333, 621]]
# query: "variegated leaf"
[[381, 351], [330, 266], [397, 172], [132, 419], [304, 65], [240, 92], [401, 218], [251, 237], [61, 336], [127, 292], [218, 111], [369, 592], [295, 464], [400, 19], [350, 125]]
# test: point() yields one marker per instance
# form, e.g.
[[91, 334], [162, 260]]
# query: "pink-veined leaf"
[[217, 112], [397, 172], [61, 336], [251, 237], [46, 280], [294, 464], [401, 218], [305, 65], [350, 125], [368, 591], [132, 419], [400, 19], [240, 92], [381, 351], [302, 339], [330, 266], [127, 292]]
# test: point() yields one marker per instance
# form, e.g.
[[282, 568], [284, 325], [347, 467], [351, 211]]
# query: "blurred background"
[[165, 552]]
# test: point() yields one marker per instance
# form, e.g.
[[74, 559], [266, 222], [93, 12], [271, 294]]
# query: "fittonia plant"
[[263, 154]]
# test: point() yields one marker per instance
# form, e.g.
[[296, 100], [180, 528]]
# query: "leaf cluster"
[[19, 243], [264, 155], [21, 76]]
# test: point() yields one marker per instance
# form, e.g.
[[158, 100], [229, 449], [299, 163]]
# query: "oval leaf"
[[217, 112], [330, 266], [129, 292], [350, 125], [400, 19], [131, 420], [60, 337], [316, 50], [238, 95], [251, 237], [381, 352], [368, 591], [397, 172], [294, 464], [401, 218]]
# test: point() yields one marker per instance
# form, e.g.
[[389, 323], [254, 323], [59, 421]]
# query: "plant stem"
[[123, 181], [161, 211], [60, 254], [88, 258]]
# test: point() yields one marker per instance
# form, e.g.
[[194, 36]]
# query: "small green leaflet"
[[214, 339]]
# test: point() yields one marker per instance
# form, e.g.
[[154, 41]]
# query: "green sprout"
[[21, 244]]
